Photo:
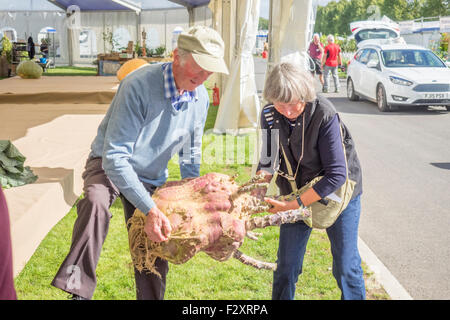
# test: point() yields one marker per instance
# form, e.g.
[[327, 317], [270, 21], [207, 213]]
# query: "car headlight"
[[400, 81]]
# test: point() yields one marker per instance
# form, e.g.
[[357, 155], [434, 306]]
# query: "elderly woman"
[[305, 122]]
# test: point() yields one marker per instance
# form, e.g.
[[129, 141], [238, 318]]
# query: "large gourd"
[[29, 70], [129, 67]]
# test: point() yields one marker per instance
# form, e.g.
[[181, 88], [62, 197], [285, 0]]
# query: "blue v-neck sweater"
[[142, 131]]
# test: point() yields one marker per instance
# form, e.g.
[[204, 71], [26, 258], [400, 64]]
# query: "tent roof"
[[28, 5], [104, 5], [89, 5]]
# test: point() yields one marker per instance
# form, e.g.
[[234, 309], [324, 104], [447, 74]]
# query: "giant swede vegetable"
[[212, 214]]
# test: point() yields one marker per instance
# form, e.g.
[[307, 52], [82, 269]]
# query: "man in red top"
[[7, 291], [331, 60]]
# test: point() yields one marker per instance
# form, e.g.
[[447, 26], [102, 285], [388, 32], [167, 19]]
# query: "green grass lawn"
[[71, 71], [201, 277]]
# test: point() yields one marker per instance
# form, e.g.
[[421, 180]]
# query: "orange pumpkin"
[[129, 67]]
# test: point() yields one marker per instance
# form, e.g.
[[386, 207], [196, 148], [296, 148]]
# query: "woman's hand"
[[281, 205], [261, 192]]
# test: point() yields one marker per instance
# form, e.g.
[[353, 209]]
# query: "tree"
[[263, 24], [335, 17], [434, 8]]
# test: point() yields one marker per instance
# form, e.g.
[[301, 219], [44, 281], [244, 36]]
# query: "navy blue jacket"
[[323, 153]]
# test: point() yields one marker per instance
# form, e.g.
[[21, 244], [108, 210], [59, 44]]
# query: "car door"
[[371, 74], [359, 68]]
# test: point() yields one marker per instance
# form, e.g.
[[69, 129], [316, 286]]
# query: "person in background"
[[265, 52], [331, 59], [158, 111], [7, 290], [30, 48], [316, 53], [44, 48]]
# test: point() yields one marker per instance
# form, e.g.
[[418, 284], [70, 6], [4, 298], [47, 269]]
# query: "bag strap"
[[343, 146], [288, 165]]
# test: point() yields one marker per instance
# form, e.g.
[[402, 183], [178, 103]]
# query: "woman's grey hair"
[[289, 82], [330, 38]]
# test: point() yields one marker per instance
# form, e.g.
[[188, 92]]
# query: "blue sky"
[[264, 8]]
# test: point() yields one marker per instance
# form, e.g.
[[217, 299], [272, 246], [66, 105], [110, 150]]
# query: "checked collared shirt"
[[170, 89]]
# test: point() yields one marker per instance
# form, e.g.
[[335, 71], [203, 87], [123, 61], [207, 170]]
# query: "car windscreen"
[[410, 58], [374, 34]]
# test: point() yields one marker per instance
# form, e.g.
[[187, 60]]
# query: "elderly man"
[[159, 110], [331, 60], [316, 52]]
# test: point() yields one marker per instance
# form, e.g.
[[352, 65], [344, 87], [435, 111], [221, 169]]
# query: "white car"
[[395, 75]]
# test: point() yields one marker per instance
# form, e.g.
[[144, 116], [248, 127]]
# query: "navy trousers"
[[343, 236]]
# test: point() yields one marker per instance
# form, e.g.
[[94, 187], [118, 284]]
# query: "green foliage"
[[346, 44], [109, 37], [138, 49], [160, 51], [13, 173], [335, 17], [7, 49], [434, 8], [263, 24]]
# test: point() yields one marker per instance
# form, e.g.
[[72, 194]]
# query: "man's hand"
[[157, 226]]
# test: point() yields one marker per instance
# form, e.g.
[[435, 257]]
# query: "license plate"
[[436, 95]]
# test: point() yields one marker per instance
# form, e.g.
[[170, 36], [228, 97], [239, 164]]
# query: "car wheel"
[[381, 99], [351, 91]]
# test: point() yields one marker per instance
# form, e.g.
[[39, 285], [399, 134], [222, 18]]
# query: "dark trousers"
[[77, 273], [343, 235]]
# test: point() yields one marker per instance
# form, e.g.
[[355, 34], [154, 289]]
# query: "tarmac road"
[[405, 219]]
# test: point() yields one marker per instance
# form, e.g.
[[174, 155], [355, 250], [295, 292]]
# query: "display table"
[[109, 64], [58, 90], [55, 138]]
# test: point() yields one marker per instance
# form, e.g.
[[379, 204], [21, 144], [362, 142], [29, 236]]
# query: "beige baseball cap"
[[206, 46]]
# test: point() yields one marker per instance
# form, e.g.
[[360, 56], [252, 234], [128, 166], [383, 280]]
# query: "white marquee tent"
[[159, 19], [78, 36]]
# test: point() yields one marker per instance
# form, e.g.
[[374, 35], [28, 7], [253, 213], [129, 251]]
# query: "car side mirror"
[[373, 64]]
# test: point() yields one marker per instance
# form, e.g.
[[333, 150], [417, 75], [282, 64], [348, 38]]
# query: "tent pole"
[[165, 29], [138, 28], [270, 38]]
